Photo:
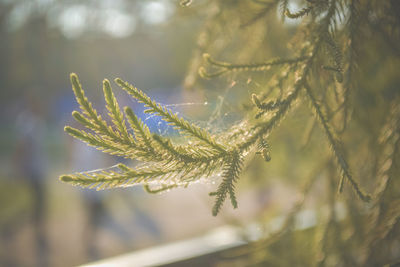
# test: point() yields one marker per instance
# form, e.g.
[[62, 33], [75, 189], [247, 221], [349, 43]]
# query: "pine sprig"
[[126, 177], [114, 112], [88, 111], [169, 175], [82, 100], [100, 143], [142, 132], [227, 187]]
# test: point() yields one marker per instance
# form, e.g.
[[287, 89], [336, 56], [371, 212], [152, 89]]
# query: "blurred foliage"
[[353, 87]]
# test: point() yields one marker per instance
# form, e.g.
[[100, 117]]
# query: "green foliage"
[[167, 164], [328, 69]]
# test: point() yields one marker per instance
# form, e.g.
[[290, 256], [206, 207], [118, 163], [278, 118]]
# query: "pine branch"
[[265, 107], [334, 144], [266, 127], [228, 67], [159, 190], [170, 117], [337, 58], [298, 14], [165, 163], [349, 83]]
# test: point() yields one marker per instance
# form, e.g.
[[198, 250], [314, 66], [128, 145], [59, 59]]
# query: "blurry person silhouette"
[[31, 162]]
